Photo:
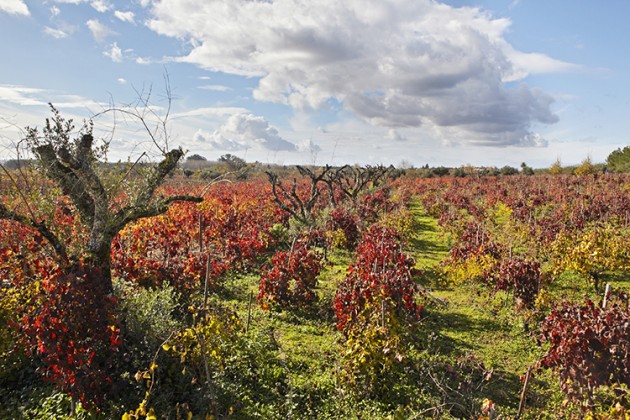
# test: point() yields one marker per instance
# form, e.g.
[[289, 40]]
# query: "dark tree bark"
[[290, 201]]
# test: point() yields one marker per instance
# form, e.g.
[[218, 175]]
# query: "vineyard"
[[322, 293]]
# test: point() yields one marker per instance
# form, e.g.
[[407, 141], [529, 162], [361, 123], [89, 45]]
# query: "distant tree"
[[619, 160], [196, 157], [526, 170], [508, 170], [17, 163], [440, 171], [458, 172], [556, 168], [234, 163], [585, 168]]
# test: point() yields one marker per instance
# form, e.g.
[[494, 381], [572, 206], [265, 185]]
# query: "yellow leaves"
[[336, 238], [474, 268], [500, 214], [595, 249], [167, 347], [153, 367]]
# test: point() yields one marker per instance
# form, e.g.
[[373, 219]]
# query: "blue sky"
[[361, 81]]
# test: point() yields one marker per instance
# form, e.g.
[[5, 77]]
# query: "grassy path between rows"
[[476, 325], [471, 325]]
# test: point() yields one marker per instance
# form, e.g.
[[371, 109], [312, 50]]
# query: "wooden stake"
[[200, 232], [606, 294], [383, 312], [205, 286], [249, 311], [521, 405]]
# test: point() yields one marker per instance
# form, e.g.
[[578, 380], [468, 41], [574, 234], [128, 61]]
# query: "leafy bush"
[[373, 361], [589, 346], [521, 277], [373, 205], [374, 307], [592, 251], [380, 272], [228, 373], [341, 220], [75, 333], [290, 279], [401, 220], [149, 316]]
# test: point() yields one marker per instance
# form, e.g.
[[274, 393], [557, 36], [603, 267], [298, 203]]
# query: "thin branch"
[[40, 227], [19, 190]]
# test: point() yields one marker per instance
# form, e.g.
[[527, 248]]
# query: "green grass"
[[471, 345], [472, 325]]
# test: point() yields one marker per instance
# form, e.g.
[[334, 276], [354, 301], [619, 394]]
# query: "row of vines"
[[191, 329]]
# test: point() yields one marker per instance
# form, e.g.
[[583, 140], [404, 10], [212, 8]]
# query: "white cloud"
[[243, 132], [101, 6], [217, 88], [54, 11], [60, 30], [394, 63], [143, 60], [99, 31], [209, 112], [55, 32], [114, 53], [308, 146], [122, 81], [14, 7], [395, 135], [20, 95], [125, 16], [28, 96]]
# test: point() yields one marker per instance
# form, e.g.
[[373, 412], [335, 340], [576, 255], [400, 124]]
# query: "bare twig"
[[521, 405]]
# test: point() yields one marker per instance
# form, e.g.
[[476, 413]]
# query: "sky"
[[402, 82]]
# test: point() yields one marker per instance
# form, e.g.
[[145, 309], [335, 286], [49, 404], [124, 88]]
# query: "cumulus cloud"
[[308, 146], [242, 132], [125, 16], [394, 63], [14, 7], [114, 53], [99, 31]]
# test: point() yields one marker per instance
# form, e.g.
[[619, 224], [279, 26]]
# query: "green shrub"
[[149, 316]]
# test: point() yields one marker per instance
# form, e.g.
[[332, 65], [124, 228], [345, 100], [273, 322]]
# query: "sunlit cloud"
[[14, 7], [395, 64]]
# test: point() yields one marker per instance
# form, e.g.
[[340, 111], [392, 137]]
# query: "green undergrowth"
[[466, 332], [472, 346]]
